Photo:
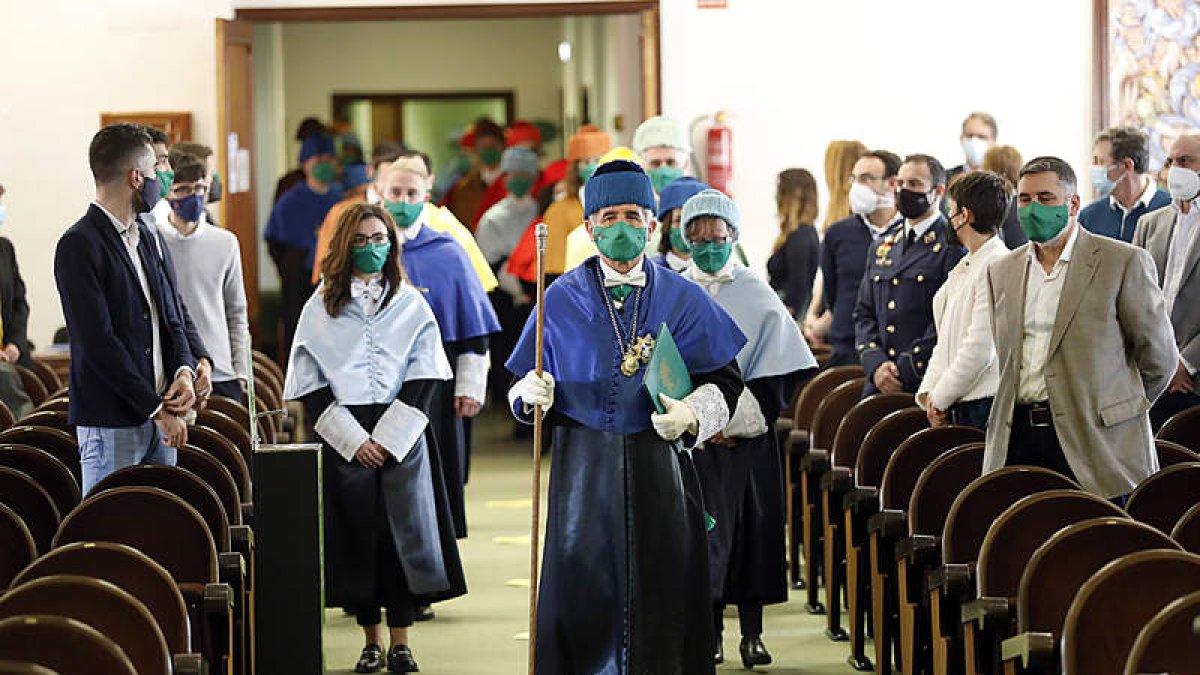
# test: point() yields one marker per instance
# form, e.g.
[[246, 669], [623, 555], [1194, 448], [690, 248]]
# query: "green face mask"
[[165, 180], [1042, 223], [369, 258], [404, 213], [678, 241], [586, 171], [324, 172], [662, 176], [518, 186], [711, 256], [490, 156], [620, 241], [462, 164]]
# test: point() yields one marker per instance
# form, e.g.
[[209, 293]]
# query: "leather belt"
[[1035, 414]]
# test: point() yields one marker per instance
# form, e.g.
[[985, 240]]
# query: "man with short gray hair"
[[1124, 189], [1083, 341]]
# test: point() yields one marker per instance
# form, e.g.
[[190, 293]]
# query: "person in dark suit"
[[132, 370], [893, 320], [14, 310]]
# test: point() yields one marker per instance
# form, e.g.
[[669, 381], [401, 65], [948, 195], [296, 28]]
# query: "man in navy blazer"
[[131, 367]]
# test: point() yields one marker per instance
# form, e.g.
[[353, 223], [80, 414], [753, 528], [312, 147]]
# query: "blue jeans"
[[104, 450]]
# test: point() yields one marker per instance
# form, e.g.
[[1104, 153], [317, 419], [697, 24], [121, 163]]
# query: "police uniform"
[[893, 319]]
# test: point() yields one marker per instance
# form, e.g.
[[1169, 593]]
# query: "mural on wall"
[[1153, 80]]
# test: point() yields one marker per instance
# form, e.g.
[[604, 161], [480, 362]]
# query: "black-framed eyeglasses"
[[362, 240], [184, 191]]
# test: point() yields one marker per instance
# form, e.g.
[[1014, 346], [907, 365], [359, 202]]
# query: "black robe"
[[408, 499], [625, 539], [452, 434]]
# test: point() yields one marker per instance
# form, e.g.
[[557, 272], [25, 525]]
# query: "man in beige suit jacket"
[[1170, 234], [1083, 341]]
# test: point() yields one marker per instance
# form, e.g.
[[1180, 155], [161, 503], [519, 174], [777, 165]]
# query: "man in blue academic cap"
[[291, 232], [625, 583]]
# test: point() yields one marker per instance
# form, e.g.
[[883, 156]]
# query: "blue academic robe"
[[297, 216]]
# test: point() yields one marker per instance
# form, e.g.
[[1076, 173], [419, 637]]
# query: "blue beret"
[[354, 175], [677, 192], [615, 183], [316, 145]]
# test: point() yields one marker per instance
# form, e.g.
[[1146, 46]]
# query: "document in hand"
[[666, 373]]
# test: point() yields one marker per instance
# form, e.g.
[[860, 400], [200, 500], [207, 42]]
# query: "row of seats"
[[896, 516], [152, 572]]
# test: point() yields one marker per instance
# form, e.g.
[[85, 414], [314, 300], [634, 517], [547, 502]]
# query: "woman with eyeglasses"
[[739, 467], [365, 362]]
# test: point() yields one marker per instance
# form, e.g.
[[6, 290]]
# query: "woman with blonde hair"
[[796, 254], [840, 157], [365, 362], [1006, 161]]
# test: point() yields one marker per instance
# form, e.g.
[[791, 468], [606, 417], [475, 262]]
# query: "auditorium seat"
[[30, 501], [101, 605], [54, 441], [1113, 606], [239, 435], [238, 413], [210, 470], [1164, 497], [1168, 643], [889, 525], [6, 417], [1056, 571], [857, 505], [796, 443], [1183, 428], [1187, 530], [17, 548], [50, 379], [47, 471], [8, 667], [34, 387], [261, 360], [63, 645], [826, 419], [51, 419], [1171, 453], [833, 468], [60, 403], [226, 453], [1010, 543]]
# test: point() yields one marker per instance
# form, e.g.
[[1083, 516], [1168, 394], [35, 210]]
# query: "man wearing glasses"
[[893, 320], [872, 185]]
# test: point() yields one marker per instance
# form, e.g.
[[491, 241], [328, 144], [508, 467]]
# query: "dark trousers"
[[295, 282], [843, 355], [1035, 443], [972, 413], [393, 586], [1167, 405], [750, 617]]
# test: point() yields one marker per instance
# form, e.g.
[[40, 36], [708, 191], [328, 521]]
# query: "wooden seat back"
[[858, 422], [6, 416], [22, 494], [1069, 558], [1183, 428], [101, 605], [240, 414], [46, 374], [34, 387], [227, 427], [17, 548], [47, 471], [832, 410], [61, 644], [1187, 531], [882, 440], [1113, 606], [59, 403], [8, 667], [208, 469], [1171, 453], [816, 390], [131, 570], [54, 441], [1168, 643], [918, 451], [51, 419], [1164, 497], [181, 483], [939, 484], [226, 453]]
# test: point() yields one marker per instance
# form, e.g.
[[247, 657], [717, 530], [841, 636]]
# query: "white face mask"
[[864, 200], [974, 148], [1183, 184]]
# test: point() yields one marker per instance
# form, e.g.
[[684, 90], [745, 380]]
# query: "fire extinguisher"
[[718, 168]]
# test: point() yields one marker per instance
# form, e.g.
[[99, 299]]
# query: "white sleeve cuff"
[[712, 414], [399, 429], [747, 420], [521, 411], [470, 376], [341, 431]]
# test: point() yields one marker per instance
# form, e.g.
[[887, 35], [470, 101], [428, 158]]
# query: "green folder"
[[666, 373]]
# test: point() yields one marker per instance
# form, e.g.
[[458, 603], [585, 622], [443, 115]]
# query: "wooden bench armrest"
[[188, 664], [837, 480], [986, 611], [797, 442], [918, 550], [862, 500], [814, 461], [248, 513], [890, 523], [1034, 651], [783, 425], [217, 608]]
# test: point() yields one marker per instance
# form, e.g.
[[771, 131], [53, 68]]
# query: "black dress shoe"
[[371, 660], [754, 653], [400, 660], [423, 613], [719, 655]]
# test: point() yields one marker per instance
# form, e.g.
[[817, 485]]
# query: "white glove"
[[678, 418], [534, 390]]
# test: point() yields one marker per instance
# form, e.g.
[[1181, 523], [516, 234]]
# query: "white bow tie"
[[710, 282], [372, 290], [612, 279]]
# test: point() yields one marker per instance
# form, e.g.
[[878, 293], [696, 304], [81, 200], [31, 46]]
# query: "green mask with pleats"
[[404, 213], [518, 186], [1042, 223], [369, 258], [165, 180], [586, 171], [711, 256], [490, 156], [324, 172], [620, 241], [678, 241], [663, 176]]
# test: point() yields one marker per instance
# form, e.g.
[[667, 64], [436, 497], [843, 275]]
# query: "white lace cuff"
[[747, 420], [470, 376], [341, 431], [712, 415], [399, 429]]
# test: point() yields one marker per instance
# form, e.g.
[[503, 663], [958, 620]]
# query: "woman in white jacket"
[[963, 374]]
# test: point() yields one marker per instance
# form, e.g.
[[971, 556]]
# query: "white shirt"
[[1042, 293], [675, 262], [407, 234], [634, 277], [1183, 239], [878, 232], [921, 226], [963, 365], [1148, 193]]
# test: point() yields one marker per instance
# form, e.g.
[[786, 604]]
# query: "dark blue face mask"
[[148, 195], [188, 208]]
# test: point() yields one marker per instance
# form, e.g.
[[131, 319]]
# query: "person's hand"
[[678, 418], [181, 395], [203, 383], [534, 390], [937, 418], [370, 454], [10, 354], [816, 328], [887, 378], [1182, 382], [172, 428], [720, 439], [465, 406]]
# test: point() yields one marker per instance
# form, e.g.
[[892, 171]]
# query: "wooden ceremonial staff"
[[535, 525]]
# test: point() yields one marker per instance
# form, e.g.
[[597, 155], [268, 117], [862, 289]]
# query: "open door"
[[235, 124]]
